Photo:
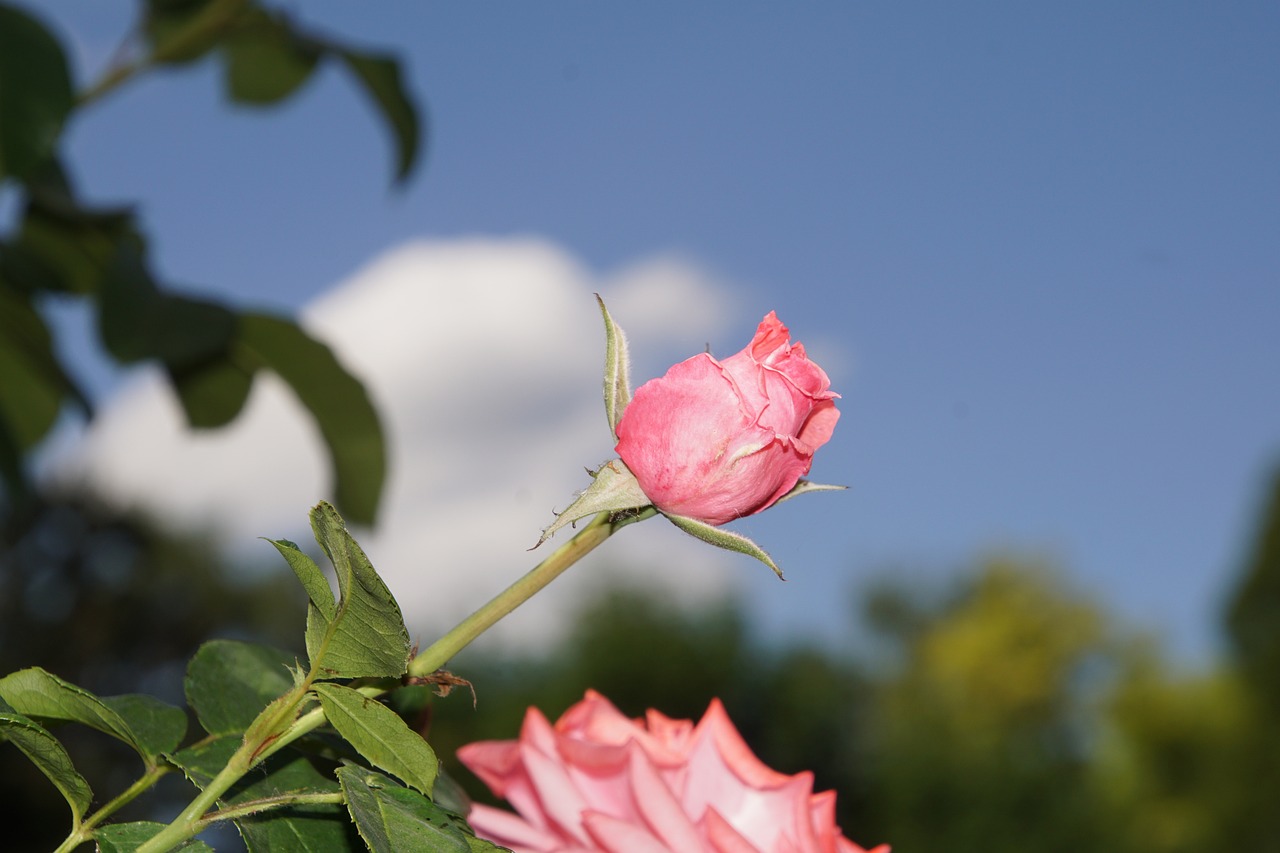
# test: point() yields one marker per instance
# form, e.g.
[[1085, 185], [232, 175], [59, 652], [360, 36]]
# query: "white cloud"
[[484, 357]]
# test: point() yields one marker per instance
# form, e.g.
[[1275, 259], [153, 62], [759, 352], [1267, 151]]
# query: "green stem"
[[214, 19], [196, 816], [599, 529], [266, 804]]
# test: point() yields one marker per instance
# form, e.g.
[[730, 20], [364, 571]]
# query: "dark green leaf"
[[266, 61], [34, 385], [182, 31], [157, 726], [61, 245], [379, 735], [213, 393], [127, 837], [337, 401], [48, 755], [137, 321], [35, 93], [367, 636], [43, 695], [380, 77], [394, 818], [229, 683]]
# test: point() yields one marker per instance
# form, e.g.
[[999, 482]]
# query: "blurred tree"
[[1253, 615], [980, 734], [1187, 761]]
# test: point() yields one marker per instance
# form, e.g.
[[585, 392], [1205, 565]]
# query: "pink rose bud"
[[716, 440]]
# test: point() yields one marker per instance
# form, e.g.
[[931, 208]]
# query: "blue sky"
[[1038, 243]]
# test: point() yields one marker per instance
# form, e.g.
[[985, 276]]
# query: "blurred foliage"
[[107, 600], [64, 247]]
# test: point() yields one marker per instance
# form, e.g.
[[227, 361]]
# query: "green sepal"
[[725, 539], [804, 487], [617, 369], [613, 489]]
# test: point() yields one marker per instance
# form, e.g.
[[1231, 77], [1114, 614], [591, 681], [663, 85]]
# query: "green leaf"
[[62, 246], [322, 608], [367, 635], [266, 61], [317, 828], [35, 384], [127, 837], [158, 727], [137, 321], [393, 818], [41, 694], [380, 77], [229, 682], [337, 401], [48, 755], [379, 735], [182, 31], [726, 539], [617, 370], [35, 93], [213, 393]]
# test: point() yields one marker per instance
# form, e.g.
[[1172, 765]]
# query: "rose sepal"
[[725, 539], [803, 487], [617, 369], [613, 489]]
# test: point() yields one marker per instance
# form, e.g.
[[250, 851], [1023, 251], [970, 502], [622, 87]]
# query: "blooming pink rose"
[[717, 440], [598, 781]]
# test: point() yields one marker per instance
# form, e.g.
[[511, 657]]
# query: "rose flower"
[[716, 440], [598, 781]]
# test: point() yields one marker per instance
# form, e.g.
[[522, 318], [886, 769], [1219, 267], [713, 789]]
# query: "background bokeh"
[[1034, 246]]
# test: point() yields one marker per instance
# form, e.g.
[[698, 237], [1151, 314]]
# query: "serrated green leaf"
[[367, 635], [49, 757], [40, 694], [266, 60], [229, 682], [127, 837], [157, 726], [37, 93], [726, 539], [338, 402], [617, 370], [393, 818], [379, 735], [380, 78]]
